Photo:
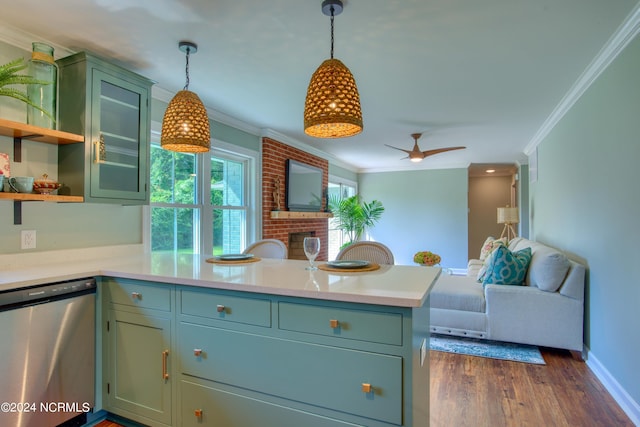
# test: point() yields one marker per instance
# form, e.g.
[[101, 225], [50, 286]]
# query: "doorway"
[[488, 191]]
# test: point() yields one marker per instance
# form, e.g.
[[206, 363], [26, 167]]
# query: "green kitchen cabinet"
[[109, 105], [138, 376], [196, 356], [247, 359]]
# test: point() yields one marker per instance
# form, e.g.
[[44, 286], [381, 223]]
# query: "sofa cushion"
[[517, 243], [457, 293], [548, 268], [489, 245], [506, 267], [473, 267], [488, 248]]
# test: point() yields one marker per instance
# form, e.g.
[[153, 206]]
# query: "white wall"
[[424, 210], [587, 201]]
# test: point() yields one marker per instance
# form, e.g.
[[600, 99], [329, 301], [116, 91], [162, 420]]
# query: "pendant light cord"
[[332, 10], [186, 86]]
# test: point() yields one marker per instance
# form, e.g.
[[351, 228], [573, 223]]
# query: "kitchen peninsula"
[[186, 342]]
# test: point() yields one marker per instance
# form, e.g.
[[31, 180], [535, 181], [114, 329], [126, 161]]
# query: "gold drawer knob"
[[220, 308], [198, 413], [333, 323], [197, 352], [136, 295], [366, 388]]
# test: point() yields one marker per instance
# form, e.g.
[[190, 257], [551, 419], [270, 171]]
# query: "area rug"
[[485, 348]]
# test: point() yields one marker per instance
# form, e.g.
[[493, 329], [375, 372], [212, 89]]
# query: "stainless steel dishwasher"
[[47, 354]]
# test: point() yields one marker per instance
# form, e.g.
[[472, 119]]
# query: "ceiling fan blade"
[[401, 149], [428, 153]]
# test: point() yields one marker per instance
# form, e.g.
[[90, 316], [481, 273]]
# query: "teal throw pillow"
[[506, 267]]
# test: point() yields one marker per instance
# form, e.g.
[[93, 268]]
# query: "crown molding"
[[280, 137], [412, 167], [24, 40], [627, 31]]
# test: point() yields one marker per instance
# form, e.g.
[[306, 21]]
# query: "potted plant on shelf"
[[355, 216], [9, 76]]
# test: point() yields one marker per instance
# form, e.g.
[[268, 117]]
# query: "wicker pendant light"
[[185, 126], [332, 106]]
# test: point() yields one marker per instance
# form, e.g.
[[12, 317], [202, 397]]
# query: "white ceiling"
[[483, 74]]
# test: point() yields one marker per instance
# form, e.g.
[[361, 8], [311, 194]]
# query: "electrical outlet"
[[28, 239]]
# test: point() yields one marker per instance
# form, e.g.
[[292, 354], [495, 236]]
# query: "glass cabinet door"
[[119, 155]]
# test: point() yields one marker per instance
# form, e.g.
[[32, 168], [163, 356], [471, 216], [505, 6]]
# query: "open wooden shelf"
[[33, 197], [300, 215], [35, 133]]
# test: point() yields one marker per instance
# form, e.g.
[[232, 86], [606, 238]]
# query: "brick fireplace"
[[274, 156], [296, 244]]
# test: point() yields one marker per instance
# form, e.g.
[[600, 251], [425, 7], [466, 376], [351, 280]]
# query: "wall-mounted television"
[[303, 187]]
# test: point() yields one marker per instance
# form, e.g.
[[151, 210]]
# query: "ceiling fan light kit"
[[332, 106], [185, 125], [416, 155]]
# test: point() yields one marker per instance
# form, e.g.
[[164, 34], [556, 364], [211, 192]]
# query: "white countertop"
[[402, 286]]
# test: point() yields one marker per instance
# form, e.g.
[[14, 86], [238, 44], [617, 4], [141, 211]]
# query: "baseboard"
[[619, 394]]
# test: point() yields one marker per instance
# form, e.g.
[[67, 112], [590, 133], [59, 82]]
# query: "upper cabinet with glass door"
[[110, 106]]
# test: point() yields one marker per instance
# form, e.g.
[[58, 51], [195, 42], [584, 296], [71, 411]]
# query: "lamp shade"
[[508, 215], [185, 126], [332, 106]]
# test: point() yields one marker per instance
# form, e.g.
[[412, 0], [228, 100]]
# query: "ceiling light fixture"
[[417, 155], [332, 106], [185, 126]]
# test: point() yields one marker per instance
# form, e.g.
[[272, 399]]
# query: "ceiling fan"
[[416, 155]]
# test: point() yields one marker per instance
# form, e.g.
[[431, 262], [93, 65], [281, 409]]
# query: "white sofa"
[[547, 311]]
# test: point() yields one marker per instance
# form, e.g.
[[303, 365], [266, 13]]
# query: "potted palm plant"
[[10, 76], [355, 216]]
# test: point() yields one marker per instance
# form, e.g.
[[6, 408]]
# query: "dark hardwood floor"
[[474, 391], [478, 392]]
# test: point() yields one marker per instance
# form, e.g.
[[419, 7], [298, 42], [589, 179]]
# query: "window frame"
[[336, 180], [203, 244]]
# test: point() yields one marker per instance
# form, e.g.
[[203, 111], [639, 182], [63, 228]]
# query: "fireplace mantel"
[[300, 215]]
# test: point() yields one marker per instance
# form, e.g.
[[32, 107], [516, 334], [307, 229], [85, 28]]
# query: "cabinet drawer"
[[208, 406], [361, 325], [318, 375], [142, 295], [252, 311]]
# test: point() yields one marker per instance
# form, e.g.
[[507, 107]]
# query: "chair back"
[[267, 248], [367, 251]]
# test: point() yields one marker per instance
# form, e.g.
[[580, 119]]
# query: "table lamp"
[[508, 216]]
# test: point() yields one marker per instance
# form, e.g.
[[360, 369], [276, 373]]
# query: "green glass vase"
[[42, 67]]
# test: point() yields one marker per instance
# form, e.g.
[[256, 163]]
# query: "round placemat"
[[235, 261], [370, 267]]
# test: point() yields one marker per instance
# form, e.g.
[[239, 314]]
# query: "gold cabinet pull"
[[333, 323], [366, 388], [220, 308], [136, 295], [96, 151], [198, 413], [197, 352], [99, 150], [165, 374]]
